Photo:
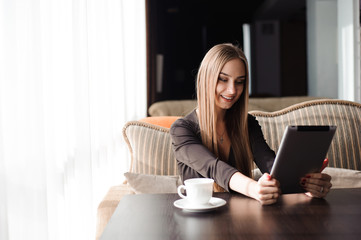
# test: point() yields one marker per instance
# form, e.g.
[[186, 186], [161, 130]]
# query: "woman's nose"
[[231, 88]]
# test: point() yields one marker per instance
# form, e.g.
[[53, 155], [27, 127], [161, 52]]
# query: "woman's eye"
[[222, 79], [240, 82]]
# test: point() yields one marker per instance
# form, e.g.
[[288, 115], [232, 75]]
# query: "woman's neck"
[[220, 115]]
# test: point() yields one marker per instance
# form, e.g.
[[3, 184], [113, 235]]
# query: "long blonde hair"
[[236, 116]]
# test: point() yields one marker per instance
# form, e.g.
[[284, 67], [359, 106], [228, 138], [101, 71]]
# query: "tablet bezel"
[[307, 146]]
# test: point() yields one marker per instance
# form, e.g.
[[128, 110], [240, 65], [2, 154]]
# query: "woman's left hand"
[[317, 184]]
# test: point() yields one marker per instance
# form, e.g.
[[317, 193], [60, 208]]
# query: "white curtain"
[[72, 72]]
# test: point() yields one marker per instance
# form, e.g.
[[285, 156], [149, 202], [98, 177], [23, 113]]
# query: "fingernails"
[[303, 182]]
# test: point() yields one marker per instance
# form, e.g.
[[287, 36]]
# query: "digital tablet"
[[302, 151]]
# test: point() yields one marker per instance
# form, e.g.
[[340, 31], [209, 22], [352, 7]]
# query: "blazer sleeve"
[[193, 158], [263, 155]]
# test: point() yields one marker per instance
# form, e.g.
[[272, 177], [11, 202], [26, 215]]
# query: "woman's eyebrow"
[[224, 74], [243, 77]]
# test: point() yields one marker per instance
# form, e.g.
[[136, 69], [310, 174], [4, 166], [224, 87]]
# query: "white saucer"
[[212, 204]]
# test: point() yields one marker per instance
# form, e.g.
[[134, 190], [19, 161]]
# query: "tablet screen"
[[302, 151]]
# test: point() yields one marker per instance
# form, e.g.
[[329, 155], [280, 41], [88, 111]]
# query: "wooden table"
[[295, 216]]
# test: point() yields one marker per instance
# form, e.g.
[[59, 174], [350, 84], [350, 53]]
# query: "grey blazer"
[[195, 160]]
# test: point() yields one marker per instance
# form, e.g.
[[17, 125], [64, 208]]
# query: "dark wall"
[[182, 31], [294, 58]]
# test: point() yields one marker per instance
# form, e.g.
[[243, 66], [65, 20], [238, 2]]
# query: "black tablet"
[[302, 150]]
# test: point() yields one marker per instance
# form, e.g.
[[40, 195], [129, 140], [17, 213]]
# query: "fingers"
[[317, 191], [268, 196], [321, 176], [268, 201], [268, 190], [317, 184], [267, 180], [324, 164]]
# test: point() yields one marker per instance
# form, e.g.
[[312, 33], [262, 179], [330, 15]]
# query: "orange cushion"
[[163, 121]]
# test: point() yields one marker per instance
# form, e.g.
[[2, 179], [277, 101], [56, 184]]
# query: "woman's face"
[[230, 84]]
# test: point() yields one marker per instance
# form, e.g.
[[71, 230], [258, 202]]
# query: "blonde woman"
[[220, 140]]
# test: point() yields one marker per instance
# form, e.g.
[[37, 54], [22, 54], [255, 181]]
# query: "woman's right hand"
[[267, 190]]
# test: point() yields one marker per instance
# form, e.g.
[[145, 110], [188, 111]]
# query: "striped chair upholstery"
[[345, 150], [150, 148]]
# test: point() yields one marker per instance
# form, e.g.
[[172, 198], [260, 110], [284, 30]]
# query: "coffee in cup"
[[199, 190]]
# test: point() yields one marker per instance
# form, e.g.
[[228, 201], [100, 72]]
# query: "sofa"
[[265, 104], [153, 166]]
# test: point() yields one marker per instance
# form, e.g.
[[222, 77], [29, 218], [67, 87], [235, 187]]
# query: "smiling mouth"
[[227, 98]]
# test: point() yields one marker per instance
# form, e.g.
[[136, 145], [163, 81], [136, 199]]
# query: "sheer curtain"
[[72, 72]]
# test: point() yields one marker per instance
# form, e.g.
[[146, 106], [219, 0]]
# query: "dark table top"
[[295, 216]]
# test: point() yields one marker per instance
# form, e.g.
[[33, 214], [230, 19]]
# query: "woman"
[[220, 140]]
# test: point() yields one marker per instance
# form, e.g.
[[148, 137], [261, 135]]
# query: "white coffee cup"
[[199, 190]]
